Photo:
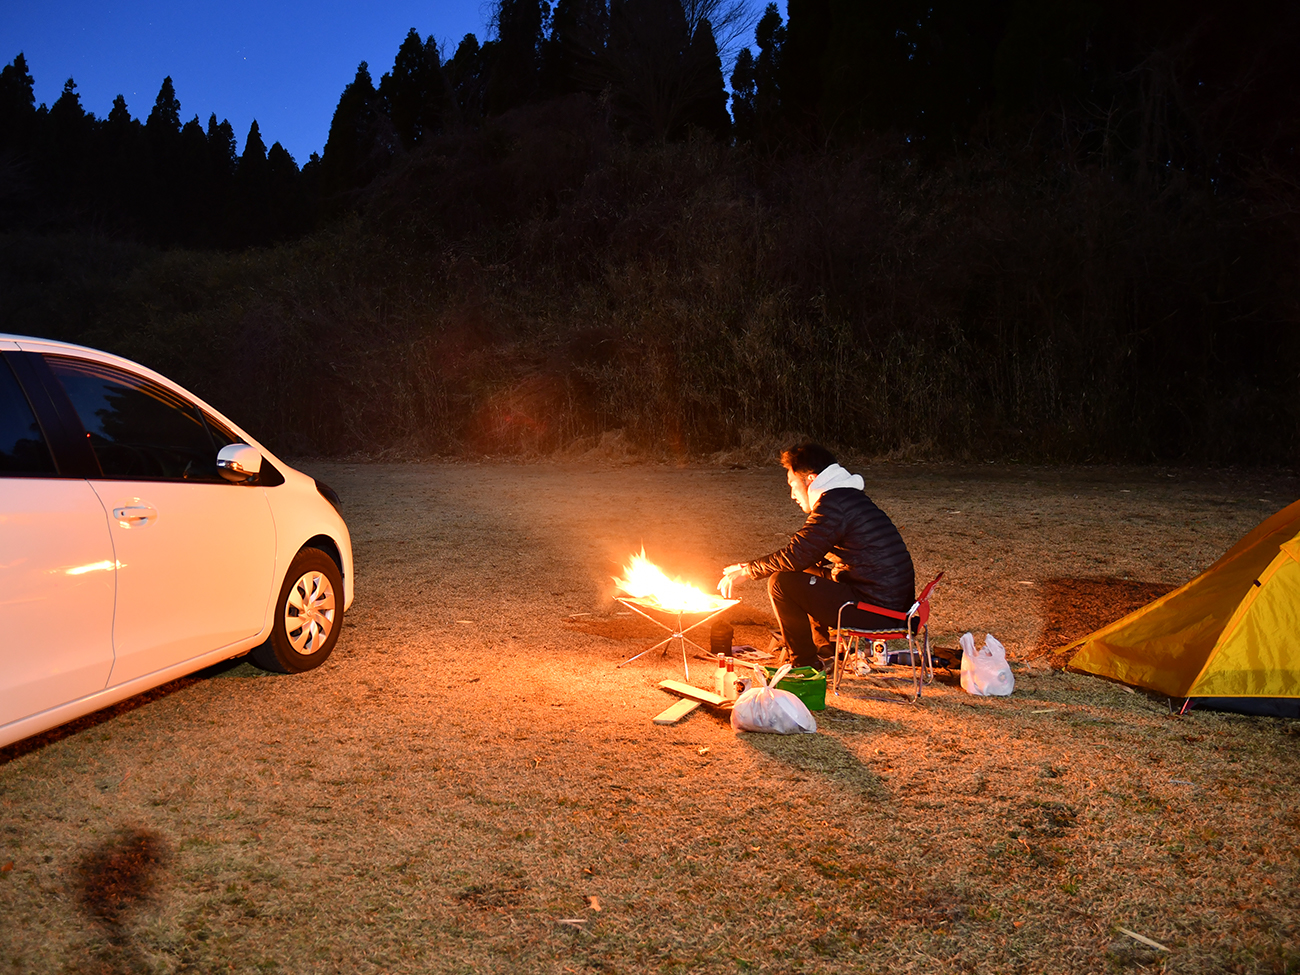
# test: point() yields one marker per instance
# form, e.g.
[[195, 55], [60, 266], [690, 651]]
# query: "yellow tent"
[[1230, 638]]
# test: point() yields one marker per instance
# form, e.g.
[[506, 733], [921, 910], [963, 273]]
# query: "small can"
[[721, 636]]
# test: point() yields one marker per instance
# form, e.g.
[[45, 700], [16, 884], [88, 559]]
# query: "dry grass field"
[[470, 785]]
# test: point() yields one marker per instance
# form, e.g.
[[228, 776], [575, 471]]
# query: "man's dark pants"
[[797, 596]]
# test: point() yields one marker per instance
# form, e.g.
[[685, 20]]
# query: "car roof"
[[55, 344]]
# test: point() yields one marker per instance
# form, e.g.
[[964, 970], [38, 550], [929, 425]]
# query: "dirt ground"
[[470, 784]]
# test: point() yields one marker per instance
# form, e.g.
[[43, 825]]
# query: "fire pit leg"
[[674, 633], [686, 668], [661, 643]]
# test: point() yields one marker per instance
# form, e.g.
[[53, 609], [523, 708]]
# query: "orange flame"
[[646, 582]]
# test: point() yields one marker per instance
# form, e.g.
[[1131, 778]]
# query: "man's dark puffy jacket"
[[848, 539]]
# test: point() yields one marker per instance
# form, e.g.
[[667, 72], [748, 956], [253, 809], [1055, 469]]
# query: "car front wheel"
[[308, 615]]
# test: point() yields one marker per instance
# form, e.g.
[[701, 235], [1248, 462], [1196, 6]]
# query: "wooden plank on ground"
[[693, 692], [678, 711]]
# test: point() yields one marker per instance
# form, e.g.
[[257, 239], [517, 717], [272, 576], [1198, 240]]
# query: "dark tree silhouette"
[[165, 116], [17, 104], [192, 219], [289, 214], [359, 142], [708, 109], [660, 78], [414, 94], [513, 75], [744, 88], [573, 53], [770, 36], [467, 76], [250, 199], [221, 150], [66, 156], [801, 52]]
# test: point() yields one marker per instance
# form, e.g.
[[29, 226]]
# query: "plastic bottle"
[[720, 677], [731, 692]]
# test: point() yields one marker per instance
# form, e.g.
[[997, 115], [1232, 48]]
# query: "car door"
[[57, 568], [195, 553]]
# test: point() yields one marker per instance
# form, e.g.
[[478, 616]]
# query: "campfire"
[[648, 588], [646, 583]]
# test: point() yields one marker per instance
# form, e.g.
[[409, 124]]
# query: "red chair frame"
[[849, 638]]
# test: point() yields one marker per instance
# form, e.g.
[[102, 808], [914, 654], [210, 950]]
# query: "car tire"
[[308, 615]]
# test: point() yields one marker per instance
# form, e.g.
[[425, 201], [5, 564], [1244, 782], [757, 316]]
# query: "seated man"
[[847, 550]]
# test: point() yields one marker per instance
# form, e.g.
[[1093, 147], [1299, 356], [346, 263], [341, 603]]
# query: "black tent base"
[[1272, 707]]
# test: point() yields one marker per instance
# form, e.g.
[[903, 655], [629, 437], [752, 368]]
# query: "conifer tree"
[[165, 187], [572, 53], [220, 174], [743, 84], [798, 71], [121, 168], [467, 77], [166, 113], [194, 226], [770, 36], [354, 152], [659, 80], [67, 154], [647, 39], [254, 154], [68, 119], [867, 72], [193, 148], [17, 105], [516, 62], [707, 108], [250, 201], [414, 93], [119, 115], [221, 148], [288, 202]]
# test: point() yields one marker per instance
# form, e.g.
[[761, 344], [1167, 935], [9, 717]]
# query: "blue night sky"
[[282, 62]]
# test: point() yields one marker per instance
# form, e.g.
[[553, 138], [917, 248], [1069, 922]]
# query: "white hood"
[[832, 477]]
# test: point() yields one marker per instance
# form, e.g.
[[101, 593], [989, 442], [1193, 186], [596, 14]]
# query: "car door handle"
[[135, 515]]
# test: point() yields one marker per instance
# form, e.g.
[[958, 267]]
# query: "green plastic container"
[[806, 683]]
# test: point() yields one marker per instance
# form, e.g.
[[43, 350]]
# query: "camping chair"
[[915, 630]]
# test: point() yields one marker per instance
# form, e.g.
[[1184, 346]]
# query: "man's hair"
[[807, 458]]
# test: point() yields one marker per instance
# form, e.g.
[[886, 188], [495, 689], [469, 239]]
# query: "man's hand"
[[729, 576]]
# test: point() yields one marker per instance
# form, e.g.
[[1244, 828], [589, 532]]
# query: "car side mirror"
[[239, 462]]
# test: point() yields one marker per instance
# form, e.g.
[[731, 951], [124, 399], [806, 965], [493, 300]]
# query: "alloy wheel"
[[309, 612]]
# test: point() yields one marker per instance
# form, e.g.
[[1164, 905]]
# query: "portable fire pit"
[[676, 631], [649, 591]]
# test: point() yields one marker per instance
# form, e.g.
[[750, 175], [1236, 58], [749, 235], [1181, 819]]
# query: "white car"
[[144, 536]]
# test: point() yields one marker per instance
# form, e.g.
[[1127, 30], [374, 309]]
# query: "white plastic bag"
[[766, 707], [985, 671]]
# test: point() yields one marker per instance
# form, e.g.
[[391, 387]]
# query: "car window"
[[22, 445], [137, 428]]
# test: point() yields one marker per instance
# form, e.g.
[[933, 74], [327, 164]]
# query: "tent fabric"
[[1266, 707], [1232, 632]]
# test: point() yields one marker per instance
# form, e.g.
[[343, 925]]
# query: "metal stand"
[[676, 632]]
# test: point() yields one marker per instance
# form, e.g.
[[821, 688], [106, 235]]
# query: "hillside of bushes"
[[1027, 281]]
